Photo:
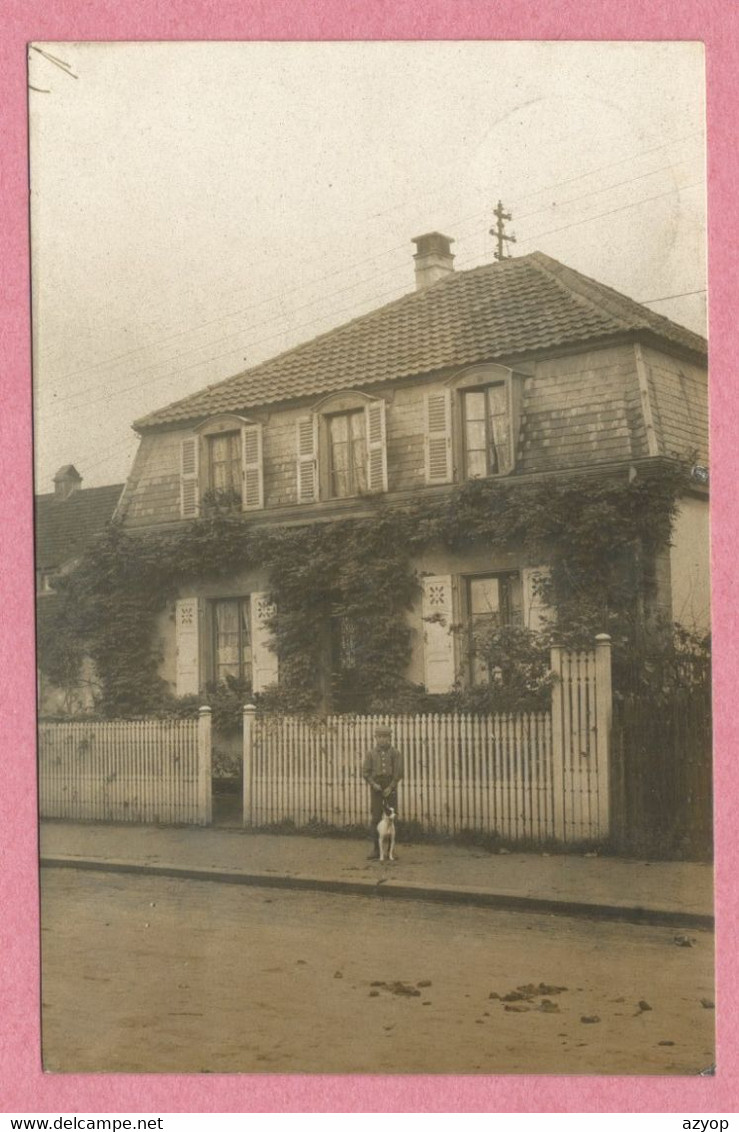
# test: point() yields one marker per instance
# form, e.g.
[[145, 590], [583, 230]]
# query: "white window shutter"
[[537, 615], [252, 494], [438, 639], [438, 437], [189, 478], [307, 460], [376, 446], [263, 659], [187, 638]]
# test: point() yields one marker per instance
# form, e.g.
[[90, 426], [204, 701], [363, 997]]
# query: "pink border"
[[23, 1087]]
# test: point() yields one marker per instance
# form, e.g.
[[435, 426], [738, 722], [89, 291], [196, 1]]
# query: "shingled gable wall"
[[678, 393], [579, 409]]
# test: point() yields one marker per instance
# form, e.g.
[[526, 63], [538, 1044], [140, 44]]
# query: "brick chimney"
[[66, 481], [434, 259]]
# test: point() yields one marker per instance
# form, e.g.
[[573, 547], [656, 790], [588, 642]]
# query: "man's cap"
[[382, 730]]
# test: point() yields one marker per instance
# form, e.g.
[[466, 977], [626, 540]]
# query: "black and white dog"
[[386, 834]]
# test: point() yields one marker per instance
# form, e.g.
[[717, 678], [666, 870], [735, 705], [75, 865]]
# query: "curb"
[[480, 898]]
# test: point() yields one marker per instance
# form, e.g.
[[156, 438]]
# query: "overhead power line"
[[604, 189], [679, 295], [343, 270], [170, 377], [612, 211], [270, 321]]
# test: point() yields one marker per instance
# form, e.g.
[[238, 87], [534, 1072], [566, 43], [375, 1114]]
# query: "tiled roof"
[[494, 312], [64, 527]]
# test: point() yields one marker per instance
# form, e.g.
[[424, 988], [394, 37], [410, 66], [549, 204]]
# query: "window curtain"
[[228, 616], [500, 429], [225, 462]]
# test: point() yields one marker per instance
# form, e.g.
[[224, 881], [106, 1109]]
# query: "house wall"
[[582, 409], [432, 562], [678, 393], [690, 566], [152, 494], [576, 410]]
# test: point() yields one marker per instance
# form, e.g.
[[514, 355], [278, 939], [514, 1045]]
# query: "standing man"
[[382, 771]]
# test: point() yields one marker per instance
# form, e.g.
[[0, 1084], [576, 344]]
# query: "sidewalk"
[[659, 892]]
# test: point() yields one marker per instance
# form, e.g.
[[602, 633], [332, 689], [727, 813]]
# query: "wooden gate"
[[662, 774]]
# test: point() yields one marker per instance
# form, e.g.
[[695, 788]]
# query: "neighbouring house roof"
[[64, 527], [496, 312]]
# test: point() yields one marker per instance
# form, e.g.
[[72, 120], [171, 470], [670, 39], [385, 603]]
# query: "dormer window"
[[224, 463], [341, 448], [487, 431], [347, 453], [221, 467], [472, 424]]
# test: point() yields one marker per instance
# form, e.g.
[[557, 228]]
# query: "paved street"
[[146, 973]]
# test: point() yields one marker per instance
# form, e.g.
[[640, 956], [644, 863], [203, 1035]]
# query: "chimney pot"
[[66, 481], [434, 259]]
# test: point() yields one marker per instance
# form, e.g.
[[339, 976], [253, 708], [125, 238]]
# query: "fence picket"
[[119, 770]]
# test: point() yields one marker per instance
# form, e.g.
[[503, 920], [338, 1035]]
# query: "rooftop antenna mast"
[[499, 232]]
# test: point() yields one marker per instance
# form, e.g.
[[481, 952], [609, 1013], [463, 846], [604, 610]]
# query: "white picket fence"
[[531, 777], [151, 770]]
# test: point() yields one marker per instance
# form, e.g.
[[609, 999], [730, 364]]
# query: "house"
[[523, 371], [66, 522]]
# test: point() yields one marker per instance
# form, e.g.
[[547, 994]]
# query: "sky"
[[199, 207]]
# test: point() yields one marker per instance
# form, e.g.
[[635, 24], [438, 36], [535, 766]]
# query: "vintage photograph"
[[372, 557]]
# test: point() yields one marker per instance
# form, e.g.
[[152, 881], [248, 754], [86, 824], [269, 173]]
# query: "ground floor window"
[[346, 684], [232, 639], [493, 602]]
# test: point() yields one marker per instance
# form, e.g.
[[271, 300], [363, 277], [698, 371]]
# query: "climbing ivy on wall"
[[598, 535]]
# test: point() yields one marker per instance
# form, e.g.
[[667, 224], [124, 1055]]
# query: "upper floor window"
[[347, 453], [472, 424], [221, 466], [487, 431], [341, 448], [224, 463]]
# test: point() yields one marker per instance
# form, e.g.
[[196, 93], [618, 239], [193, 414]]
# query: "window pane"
[[245, 608], [338, 433], [484, 595], [232, 644], [515, 599], [359, 452], [497, 400], [475, 436], [225, 462], [476, 465], [475, 405], [500, 448], [227, 616], [347, 453], [493, 603]]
